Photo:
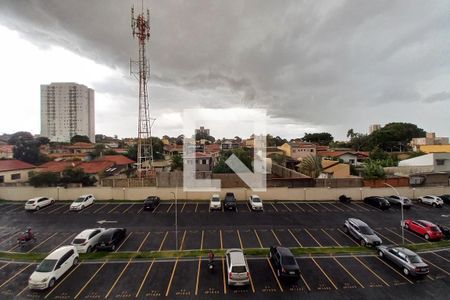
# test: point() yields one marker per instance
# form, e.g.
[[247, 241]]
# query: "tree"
[[321, 138], [26, 148], [79, 139], [311, 166], [204, 136], [274, 141], [361, 142], [245, 155], [20, 136], [373, 170], [378, 154], [279, 159], [77, 175], [177, 162], [158, 150], [42, 140], [350, 133], [396, 136], [44, 179]]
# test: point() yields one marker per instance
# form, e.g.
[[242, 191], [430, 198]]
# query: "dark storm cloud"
[[303, 60]]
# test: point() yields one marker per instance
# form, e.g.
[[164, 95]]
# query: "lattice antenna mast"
[[141, 70]]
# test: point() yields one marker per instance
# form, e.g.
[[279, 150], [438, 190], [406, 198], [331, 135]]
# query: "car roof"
[[357, 221], [215, 196], [427, 222], [111, 230], [255, 196], [85, 233], [35, 199], [405, 250], [237, 256], [84, 196], [284, 251], [59, 252]]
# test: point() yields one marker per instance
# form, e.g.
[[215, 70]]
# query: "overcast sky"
[[314, 65]]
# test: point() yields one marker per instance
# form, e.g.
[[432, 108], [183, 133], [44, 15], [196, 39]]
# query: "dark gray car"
[[362, 232], [409, 261]]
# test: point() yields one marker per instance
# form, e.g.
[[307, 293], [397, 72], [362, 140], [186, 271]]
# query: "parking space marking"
[[98, 209], [348, 272], [295, 238], [437, 267], [248, 207], [42, 242], [196, 206], [349, 237], [145, 277], [162, 242], [118, 278], [198, 275], [306, 230], [143, 241], [123, 242], [224, 276], [362, 207], [182, 240], [395, 270], [201, 241], [301, 208], [370, 270], [71, 236], [113, 209], [154, 210], [417, 236], [287, 207], [59, 283], [326, 208], [259, 240], [12, 236], [384, 237], [349, 207], [306, 284], [89, 281], [142, 208], [221, 239], [315, 209], [171, 277], [275, 236], [16, 208], [128, 208], [331, 237], [276, 209], [182, 208], [14, 276], [170, 206], [334, 205], [326, 275], [1, 268], [251, 282], [446, 259], [409, 241], [274, 274], [239, 237]]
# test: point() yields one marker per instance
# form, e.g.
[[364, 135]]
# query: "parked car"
[[435, 201], [151, 202], [255, 203], [445, 198], [399, 200], [215, 203], [409, 261], [38, 203], [361, 232], [237, 269], [345, 199], [378, 202], [445, 231], [82, 202], [424, 228], [229, 203], [86, 241], [284, 262], [111, 238], [55, 265]]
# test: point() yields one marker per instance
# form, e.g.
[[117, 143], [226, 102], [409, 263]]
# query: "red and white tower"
[[141, 70]]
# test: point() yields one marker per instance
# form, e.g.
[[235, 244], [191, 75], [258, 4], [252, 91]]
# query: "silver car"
[[362, 232], [237, 269], [409, 261], [396, 200]]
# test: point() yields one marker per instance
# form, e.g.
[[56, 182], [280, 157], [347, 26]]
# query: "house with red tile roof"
[[15, 171], [119, 160], [7, 151]]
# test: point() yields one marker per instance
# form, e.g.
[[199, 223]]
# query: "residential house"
[[429, 139], [435, 148], [334, 169], [229, 145], [355, 158], [203, 161], [57, 166], [81, 148], [172, 149], [6, 151], [428, 163], [15, 171], [299, 150]]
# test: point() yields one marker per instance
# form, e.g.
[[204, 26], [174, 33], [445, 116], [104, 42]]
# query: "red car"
[[427, 229]]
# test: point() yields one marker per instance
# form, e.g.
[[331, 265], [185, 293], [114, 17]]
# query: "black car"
[[229, 203], [151, 202], [284, 262], [445, 232], [379, 202], [111, 238], [445, 198]]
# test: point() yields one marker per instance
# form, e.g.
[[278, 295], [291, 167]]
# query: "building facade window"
[[2, 178], [15, 176], [440, 162]]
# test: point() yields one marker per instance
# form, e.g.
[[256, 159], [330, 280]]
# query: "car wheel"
[[75, 261], [427, 237], [89, 249], [37, 208], [278, 273], [406, 226], [51, 283], [434, 204], [346, 229], [380, 254], [405, 271], [113, 247], [362, 242], [53, 201], [419, 200], [82, 206]]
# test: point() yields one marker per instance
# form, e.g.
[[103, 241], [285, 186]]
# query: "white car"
[[82, 202], [87, 240], [237, 269], [215, 203], [431, 200], [255, 202], [53, 267], [38, 203]]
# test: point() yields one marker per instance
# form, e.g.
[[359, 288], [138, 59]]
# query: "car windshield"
[[81, 199], [215, 199], [366, 230], [288, 260], [257, 200], [415, 259], [30, 202], [47, 265], [79, 241], [434, 228]]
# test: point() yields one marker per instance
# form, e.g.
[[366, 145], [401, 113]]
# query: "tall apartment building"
[[67, 109], [374, 127]]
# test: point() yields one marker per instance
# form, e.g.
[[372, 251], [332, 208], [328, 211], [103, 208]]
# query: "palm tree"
[[311, 166]]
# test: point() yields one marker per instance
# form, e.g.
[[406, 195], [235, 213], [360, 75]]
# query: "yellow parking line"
[[171, 277], [295, 238], [14, 276], [287, 207], [145, 277], [348, 272], [123, 242], [42, 242], [312, 207], [395, 270], [196, 206], [13, 247], [276, 209], [447, 260], [184, 204], [224, 275], [275, 275], [349, 237], [326, 275], [65, 241], [198, 275], [59, 283], [143, 241], [409, 241], [118, 278], [306, 230], [12, 236], [259, 240], [306, 284], [171, 204], [326, 208], [334, 205], [221, 239], [251, 282], [113, 209], [415, 235], [154, 210], [430, 263], [275, 236], [128, 208], [98, 209], [331, 237], [248, 207], [1, 268], [162, 242], [370, 270], [384, 237], [239, 237], [201, 241], [89, 281], [182, 240], [301, 208]]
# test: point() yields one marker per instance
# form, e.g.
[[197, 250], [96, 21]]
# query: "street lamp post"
[[176, 218], [401, 205], [57, 193]]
